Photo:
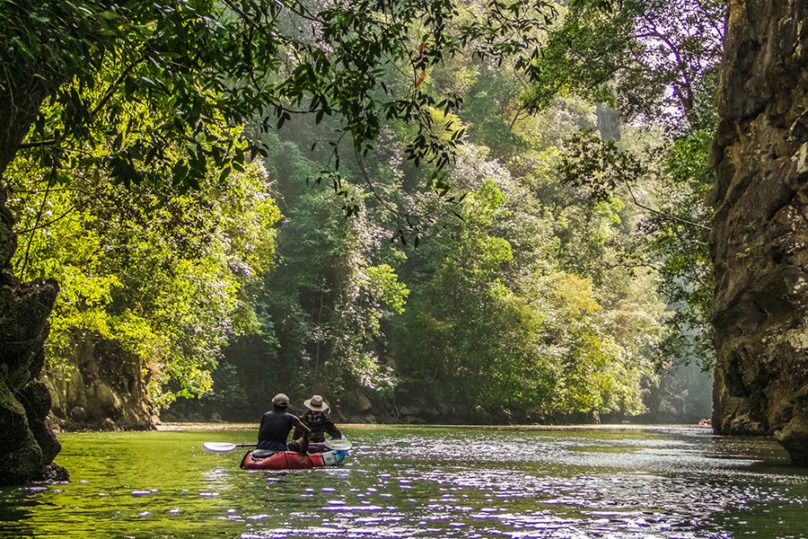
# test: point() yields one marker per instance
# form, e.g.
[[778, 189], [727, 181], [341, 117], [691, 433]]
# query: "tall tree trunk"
[[759, 240], [27, 446]]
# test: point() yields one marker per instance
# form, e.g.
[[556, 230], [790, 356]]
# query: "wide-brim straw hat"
[[316, 404]]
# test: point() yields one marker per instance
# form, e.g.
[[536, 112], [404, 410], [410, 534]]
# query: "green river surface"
[[655, 482]]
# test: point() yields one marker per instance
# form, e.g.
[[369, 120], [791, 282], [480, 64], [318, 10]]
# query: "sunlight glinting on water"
[[678, 483]]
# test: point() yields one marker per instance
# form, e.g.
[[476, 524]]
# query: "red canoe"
[[290, 460]]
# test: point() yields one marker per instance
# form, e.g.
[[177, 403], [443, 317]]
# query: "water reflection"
[[423, 482]]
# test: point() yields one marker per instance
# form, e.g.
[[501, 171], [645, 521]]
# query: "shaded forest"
[[442, 213]]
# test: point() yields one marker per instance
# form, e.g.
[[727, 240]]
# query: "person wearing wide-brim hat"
[[316, 418], [316, 404], [276, 425]]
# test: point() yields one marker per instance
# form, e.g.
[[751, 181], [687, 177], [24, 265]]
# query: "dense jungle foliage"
[[456, 207]]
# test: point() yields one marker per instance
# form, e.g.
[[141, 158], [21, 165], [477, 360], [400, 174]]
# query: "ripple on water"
[[488, 484]]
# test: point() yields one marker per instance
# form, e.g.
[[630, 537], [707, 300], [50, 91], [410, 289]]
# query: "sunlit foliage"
[[156, 270]]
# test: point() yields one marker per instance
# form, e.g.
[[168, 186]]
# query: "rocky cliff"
[[759, 240], [98, 387], [27, 445]]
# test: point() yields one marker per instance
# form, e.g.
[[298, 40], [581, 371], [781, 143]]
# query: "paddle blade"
[[338, 445], [219, 447]]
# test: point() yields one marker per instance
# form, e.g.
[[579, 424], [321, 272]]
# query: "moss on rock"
[[27, 447]]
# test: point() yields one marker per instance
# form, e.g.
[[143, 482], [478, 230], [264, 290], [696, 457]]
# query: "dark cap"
[[280, 400]]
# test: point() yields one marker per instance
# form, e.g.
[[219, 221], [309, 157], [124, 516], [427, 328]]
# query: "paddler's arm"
[[332, 430], [300, 427]]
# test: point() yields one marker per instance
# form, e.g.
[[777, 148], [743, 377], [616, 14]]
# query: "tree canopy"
[[163, 161], [71, 70]]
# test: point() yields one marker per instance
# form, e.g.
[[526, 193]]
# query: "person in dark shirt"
[[276, 425], [316, 418]]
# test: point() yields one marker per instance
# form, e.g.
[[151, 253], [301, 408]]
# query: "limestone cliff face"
[[100, 387], [27, 445], [759, 240]]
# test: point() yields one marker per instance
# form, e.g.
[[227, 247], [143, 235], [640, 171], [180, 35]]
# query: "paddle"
[[223, 447], [338, 445]]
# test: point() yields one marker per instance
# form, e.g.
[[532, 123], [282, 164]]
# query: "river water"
[[397, 482]]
